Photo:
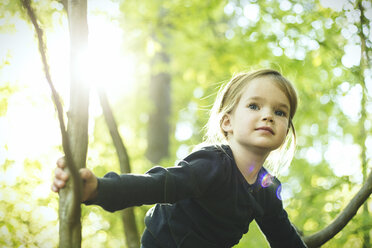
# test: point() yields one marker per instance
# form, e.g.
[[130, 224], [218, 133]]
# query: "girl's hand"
[[89, 180]]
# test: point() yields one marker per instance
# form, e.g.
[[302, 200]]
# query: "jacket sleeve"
[[275, 224], [191, 178]]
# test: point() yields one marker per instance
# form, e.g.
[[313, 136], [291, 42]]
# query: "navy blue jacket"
[[203, 202]]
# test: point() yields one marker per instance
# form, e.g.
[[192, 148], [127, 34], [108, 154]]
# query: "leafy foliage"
[[208, 41]]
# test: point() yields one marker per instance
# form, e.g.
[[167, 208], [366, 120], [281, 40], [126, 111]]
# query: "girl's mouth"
[[267, 129]]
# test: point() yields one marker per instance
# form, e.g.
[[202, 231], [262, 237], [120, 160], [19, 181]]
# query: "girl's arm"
[[275, 224], [193, 177], [280, 232]]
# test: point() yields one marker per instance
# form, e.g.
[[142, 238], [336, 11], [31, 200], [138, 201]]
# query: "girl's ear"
[[226, 123]]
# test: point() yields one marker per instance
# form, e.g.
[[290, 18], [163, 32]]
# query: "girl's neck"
[[248, 161]]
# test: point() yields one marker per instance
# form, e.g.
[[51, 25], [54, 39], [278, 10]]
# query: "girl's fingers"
[[60, 174], [61, 177], [57, 185], [54, 188], [61, 162], [85, 173]]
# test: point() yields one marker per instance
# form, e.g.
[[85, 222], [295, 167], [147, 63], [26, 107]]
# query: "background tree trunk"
[[129, 221], [70, 224], [158, 125]]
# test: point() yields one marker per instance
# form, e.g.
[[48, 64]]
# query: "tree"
[[75, 140], [70, 227]]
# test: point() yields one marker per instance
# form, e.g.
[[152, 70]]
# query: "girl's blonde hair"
[[228, 97]]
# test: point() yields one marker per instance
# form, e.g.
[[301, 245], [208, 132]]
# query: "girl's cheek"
[[284, 127]]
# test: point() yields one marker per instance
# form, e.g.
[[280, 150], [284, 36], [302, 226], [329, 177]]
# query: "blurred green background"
[[185, 50]]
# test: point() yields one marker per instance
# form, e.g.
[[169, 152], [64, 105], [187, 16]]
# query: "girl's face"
[[261, 117]]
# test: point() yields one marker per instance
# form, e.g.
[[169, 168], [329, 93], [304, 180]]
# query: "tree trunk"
[[75, 140], [129, 221], [158, 126], [70, 224]]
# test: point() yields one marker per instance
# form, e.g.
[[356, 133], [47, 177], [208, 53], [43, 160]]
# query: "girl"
[[211, 197]]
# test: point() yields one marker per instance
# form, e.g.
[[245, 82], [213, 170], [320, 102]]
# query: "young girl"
[[212, 196]]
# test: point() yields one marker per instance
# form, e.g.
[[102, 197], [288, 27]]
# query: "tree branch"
[[130, 227], [321, 237], [113, 128]]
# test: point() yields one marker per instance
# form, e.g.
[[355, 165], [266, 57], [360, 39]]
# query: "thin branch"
[[113, 128], [321, 237], [129, 222], [56, 99]]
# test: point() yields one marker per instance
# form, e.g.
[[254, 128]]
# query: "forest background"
[[161, 64]]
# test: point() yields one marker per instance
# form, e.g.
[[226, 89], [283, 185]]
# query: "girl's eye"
[[280, 113], [253, 106]]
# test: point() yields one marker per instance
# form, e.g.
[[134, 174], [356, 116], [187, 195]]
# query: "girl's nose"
[[268, 117]]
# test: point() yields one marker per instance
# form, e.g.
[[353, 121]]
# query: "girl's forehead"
[[265, 87], [262, 85]]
